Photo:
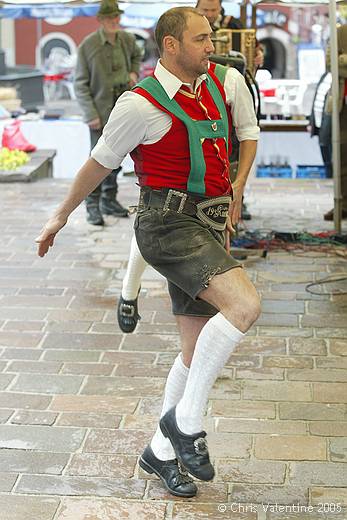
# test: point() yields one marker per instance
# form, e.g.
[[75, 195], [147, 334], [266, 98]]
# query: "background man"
[[107, 65], [215, 14]]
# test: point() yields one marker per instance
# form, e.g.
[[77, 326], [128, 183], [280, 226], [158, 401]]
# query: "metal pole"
[[254, 16], [243, 13], [335, 117]]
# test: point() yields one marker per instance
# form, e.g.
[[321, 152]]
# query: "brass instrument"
[[242, 40]]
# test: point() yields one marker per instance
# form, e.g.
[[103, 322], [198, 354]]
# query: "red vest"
[[166, 163]]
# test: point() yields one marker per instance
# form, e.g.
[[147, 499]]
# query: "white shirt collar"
[[170, 83]]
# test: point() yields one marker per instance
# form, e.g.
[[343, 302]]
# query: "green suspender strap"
[[197, 130], [220, 71]]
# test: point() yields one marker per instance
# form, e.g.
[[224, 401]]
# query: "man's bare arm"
[[87, 179]]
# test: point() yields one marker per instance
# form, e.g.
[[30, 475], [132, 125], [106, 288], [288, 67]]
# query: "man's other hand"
[[95, 124], [46, 238], [133, 79]]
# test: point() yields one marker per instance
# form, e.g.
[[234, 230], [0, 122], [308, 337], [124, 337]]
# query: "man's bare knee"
[[235, 296]]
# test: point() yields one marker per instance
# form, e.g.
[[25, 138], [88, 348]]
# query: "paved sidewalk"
[[79, 399]]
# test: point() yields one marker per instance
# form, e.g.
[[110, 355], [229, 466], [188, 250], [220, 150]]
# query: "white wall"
[[7, 40]]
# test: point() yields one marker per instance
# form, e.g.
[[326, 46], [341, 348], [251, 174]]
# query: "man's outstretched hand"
[[45, 240]]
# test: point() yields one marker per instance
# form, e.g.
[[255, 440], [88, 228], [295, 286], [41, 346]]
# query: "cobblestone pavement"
[[79, 399]]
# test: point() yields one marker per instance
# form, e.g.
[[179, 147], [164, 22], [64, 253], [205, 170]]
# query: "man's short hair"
[[173, 23], [197, 3]]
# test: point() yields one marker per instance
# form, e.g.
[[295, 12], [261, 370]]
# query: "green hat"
[[109, 8]]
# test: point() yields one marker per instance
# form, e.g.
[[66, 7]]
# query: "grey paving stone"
[[110, 509], [319, 374], [269, 494], [338, 450], [5, 415], [5, 380], [25, 339], [125, 358], [39, 301], [261, 426], [72, 355], [328, 429], [257, 409], [99, 465], [231, 445], [317, 474], [21, 353], [142, 370], [285, 332], [151, 343], [124, 386], [307, 346], [94, 403], [127, 442], [89, 420], [34, 367], [14, 507], [261, 345], [260, 373], [7, 481], [278, 320], [82, 341], [25, 461], [338, 347], [286, 307], [277, 391], [252, 472], [16, 400], [198, 511], [79, 486], [41, 438], [34, 417], [97, 369], [68, 326], [50, 384], [26, 326]]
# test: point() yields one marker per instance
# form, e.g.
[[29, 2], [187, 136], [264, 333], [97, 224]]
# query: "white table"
[[70, 139], [287, 141]]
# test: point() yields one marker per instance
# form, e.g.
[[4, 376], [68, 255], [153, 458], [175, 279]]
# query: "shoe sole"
[[167, 436], [149, 469], [116, 215]]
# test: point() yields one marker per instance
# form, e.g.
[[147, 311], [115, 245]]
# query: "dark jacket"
[[94, 78]]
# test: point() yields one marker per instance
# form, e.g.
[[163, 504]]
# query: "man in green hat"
[[107, 65]]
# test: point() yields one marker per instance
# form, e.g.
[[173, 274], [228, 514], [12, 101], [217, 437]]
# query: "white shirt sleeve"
[[134, 120], [239, 99]]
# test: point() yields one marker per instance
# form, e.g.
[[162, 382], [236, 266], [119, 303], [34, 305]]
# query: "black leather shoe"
[[113, 207], [94, 216], [127, 314], [191, 450], [177, 482]]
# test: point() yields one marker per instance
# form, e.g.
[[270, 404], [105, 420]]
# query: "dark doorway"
[[274, 57]]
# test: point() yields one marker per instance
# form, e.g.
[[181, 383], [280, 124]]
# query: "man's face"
[[110, 24], [209, 8], [196, 46]]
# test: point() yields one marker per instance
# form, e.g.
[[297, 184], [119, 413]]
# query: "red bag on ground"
[[13, 139]]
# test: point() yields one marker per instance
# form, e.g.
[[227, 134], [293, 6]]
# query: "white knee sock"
[[215, 343], [174, 389], [136, 266]]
